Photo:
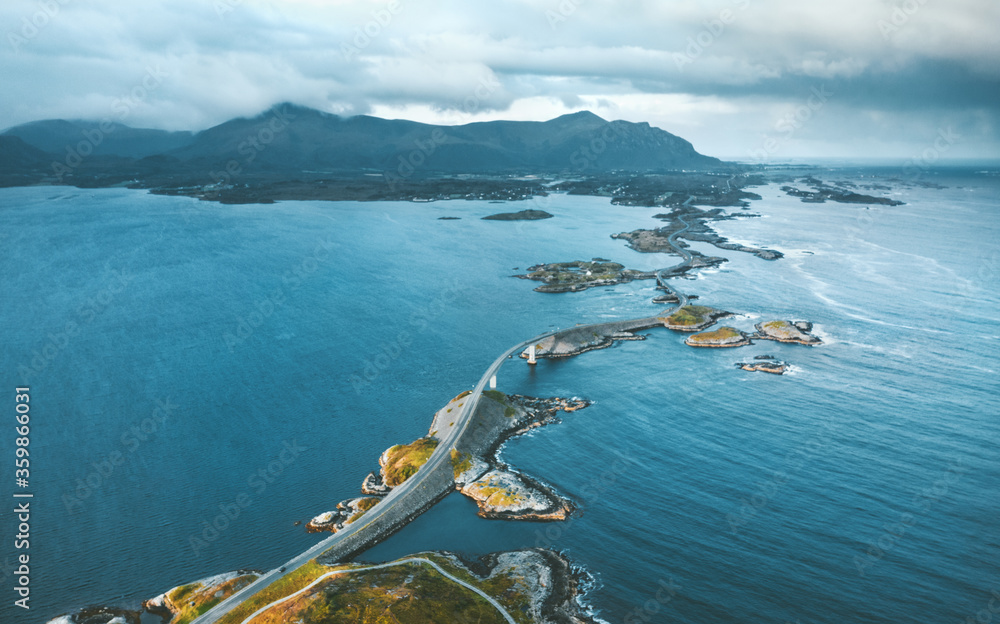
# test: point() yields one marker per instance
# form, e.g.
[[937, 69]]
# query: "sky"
[[755, 80]]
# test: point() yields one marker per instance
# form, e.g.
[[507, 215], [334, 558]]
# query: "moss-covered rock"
[[692, 318], [721, 338]]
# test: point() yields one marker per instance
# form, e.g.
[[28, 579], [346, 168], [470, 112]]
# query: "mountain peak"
[[584, 116]]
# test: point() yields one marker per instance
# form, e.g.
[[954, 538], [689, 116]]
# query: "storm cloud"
[[736, 77]]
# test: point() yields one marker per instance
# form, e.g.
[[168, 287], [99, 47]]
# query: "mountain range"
[[288, 140]]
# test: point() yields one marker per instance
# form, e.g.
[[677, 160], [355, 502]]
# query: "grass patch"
[[723, 333], [194, 599], [407, 594], [460, 462], [275, 591], [496, 395], [461, 396], [688, 316], [403, 461]]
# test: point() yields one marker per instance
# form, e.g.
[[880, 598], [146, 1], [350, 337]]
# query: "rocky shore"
[[764, 364], [787, 331], [577, 340], [692, 224], [500, 491], [823, 192]]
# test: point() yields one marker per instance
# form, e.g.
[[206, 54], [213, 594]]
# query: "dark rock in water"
[[765, 357], [449, 218], [524, 215], [770, 366]]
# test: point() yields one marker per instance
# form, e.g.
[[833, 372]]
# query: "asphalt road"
[[398, 495]]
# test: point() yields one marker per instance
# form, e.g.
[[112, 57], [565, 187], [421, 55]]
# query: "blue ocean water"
[[187, 357]]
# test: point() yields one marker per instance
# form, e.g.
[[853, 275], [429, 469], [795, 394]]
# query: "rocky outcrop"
[[693, 318], [724, 337], [577, 340], [346, 512], [374, 486], [524, 215], [765, 366], [787, 331], [561, 277], [505, 494]]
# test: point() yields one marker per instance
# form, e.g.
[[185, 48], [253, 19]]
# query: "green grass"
[[723, 333], [275, 591], [403, 461], [194, 599], [688, 316], [460, 462], [407, 594], [496, 395]]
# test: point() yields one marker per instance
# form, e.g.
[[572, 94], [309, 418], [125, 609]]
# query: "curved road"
[[489, 599], [395, 497], [441, 454]]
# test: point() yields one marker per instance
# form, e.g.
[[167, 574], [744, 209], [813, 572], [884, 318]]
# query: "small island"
[[693, 318], [561, 277], [823, 192], [524, 215], [724, 337], [764, 364], [787, 331]]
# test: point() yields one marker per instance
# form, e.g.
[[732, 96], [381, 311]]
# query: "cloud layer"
[[732, 76]]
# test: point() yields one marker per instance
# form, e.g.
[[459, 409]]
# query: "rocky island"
[[693, 318], [724, 337], [523, 215], [823, 192], [787, 331], [764, 364], [575, 276]]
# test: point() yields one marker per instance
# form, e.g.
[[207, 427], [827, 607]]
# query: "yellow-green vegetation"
[[719, 335], [284, 586], [461, 396], [194, 599], [460, 462], [576, 272], [355, 517], [501, 398], [689, 316], [776, 325], [367, 503], [496, 395], [494, 494], [403, 460], [413, 593]]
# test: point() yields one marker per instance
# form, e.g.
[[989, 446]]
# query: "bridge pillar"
[[493, 382], [531, 355]]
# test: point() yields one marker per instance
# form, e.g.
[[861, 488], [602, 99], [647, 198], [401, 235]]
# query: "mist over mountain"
[[288, 139]]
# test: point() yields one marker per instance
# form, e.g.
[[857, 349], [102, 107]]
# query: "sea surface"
[[186, 357]]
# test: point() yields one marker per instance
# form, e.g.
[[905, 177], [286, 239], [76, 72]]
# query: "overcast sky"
[[774, 79]]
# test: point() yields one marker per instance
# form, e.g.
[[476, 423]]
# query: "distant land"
[[290, 152], [290, 139]]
